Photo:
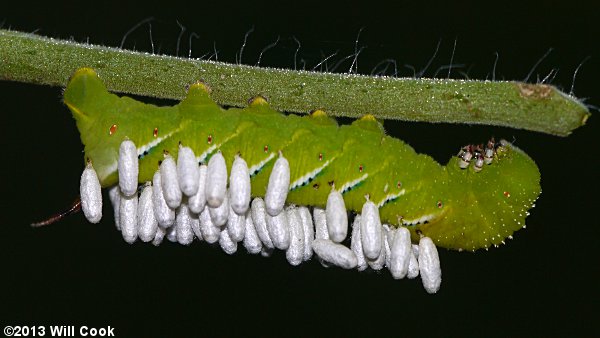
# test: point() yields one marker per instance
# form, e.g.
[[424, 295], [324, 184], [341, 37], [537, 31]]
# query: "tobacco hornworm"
[[476, 200]]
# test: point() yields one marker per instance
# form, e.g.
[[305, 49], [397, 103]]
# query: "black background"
[[543, 283]]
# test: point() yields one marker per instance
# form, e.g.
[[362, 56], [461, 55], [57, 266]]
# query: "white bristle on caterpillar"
[[295, 252], [165, 216], [278, 186], [337, 217], [91, 194], [429, 265], [371, 231], [197, 202], [239, 183], [187, 171], [216, 180], [296, 230], [170, 182], [147, 224], [128, 167]]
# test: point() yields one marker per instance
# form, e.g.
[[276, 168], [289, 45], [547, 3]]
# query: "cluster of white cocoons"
[[186, 200]]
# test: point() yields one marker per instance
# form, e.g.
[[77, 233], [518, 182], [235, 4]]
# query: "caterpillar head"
[[485, 201]]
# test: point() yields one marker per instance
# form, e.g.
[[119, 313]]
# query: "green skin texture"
[[464, 209]]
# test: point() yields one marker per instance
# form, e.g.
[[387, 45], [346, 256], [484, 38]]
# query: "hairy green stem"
[[31, 58]]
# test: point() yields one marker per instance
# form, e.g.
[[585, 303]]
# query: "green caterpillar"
[[457, 208]]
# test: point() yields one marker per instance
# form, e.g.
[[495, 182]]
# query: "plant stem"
[[31, 58]]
